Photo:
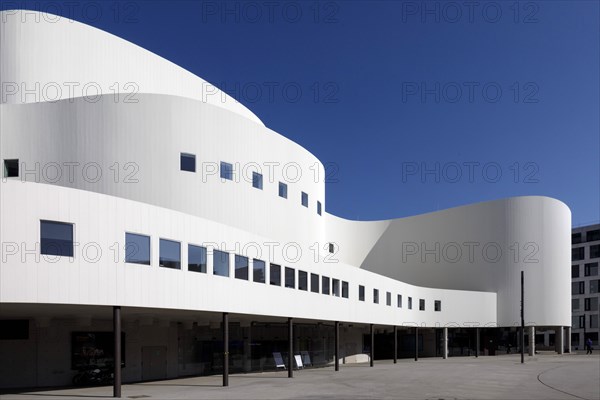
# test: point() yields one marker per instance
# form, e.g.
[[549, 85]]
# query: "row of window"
[[578, 322], [188, 163], [589, 304], [590, 269], [57, 239], [579, 287], [578, 253], [590, 236], [437, 304]]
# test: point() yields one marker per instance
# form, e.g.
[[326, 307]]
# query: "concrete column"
[[568, 335], [290, 348], [559, 339], [532, 340], [476, 342], [445, 343], [225, 349], [117, 351], [337, 345], [395, 344]]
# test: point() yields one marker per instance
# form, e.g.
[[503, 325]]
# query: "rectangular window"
[[376, 296], [421, 305], [283, 190], [220, 263], [11, 168], [257, 180], [275, 274], [302, 280], [399, 301], [187, 162], [592, 236], [325, 285], [595, 251], [290, 278], [335, 287], [576, 238], [594, 285], [345, 290], [196, 258], [590, 304], [170, 254], [56, 238], [258, 271], [361, 293], [591, 269], [137, 249], [574, 304], [226, 171], [594, 324], [582, 321], [410, 303], [314, 283], [241, 267], [574, 271], [578, 254], [578, 287], [304, 199], [319, 207], [437, 305], [388, 299]]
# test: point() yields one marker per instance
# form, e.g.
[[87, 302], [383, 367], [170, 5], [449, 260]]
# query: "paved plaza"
[[545, 376]]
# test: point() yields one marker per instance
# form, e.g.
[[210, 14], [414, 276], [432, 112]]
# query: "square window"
[[314, 283], [591, 269], [275, 274], [196, 258], [258, 271], [336, 287], [220, 263], [388, 298], [319, 207], [187, 162], [592, 236], [574, 271], [241, 267], [410, 303], [437, 305], [283, 190], [345, 290], [305, 199], [226, 171], [594, 285], [325, 285], [170, 254], [576, 238], [302, 280], [578, 253], [11, 168], [290, 278], [421, 305], [361, 293], [595, 251], [56, 238], [137, 249], [257, 180], [376, 296], [399, 301]]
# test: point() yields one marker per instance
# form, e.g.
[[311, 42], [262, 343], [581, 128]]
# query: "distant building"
[[585, 285]]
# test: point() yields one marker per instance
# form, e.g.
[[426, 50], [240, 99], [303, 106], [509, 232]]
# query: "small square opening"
[[11, 168]]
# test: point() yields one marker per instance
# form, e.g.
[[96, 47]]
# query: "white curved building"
[[130, 182]]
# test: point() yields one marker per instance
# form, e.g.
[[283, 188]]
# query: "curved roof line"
[[50, 59]]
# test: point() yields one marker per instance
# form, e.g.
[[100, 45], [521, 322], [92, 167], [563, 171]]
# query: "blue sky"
[[413, 106]]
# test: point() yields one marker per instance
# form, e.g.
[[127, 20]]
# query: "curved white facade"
[[62, 144]]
